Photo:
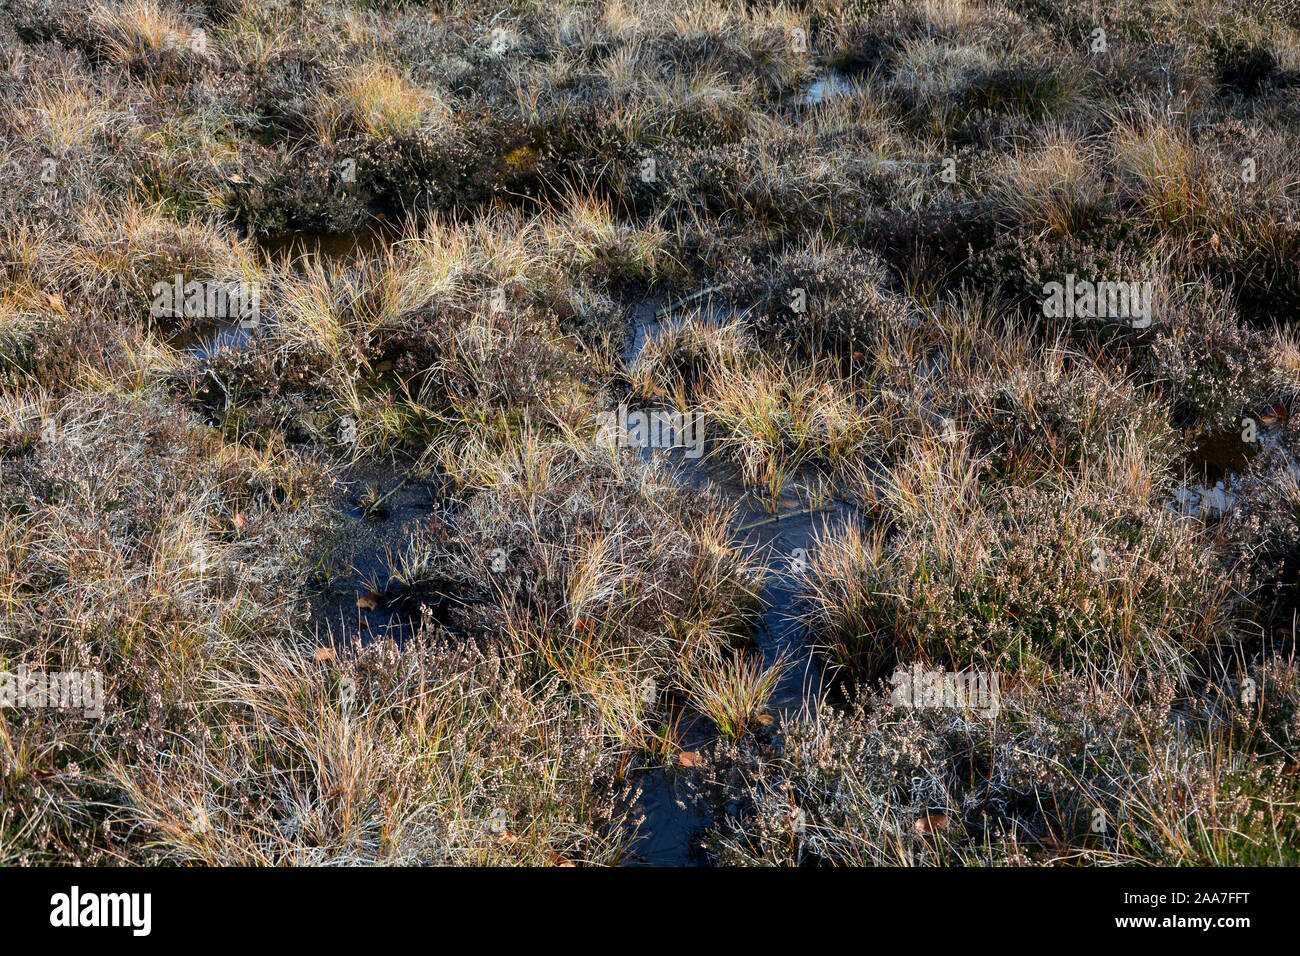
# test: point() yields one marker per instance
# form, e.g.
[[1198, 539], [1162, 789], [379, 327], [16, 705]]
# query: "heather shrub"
[[1264, 706], [1089, 573], [1215, 368], [1053, 410], [815, 300], [1068, 772]]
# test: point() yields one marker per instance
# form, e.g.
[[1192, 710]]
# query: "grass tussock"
[[827, 235]]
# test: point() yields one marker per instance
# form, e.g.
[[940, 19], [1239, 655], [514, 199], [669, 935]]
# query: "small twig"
[[687, 301], [394, 490], [220, 386], [810, 510]]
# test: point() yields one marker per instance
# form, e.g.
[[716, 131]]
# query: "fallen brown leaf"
[[932, 823]]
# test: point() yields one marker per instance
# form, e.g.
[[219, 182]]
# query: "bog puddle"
[[1213, 462], [827, 86], [674, 813], [361, 599], [782, 533], [203, 337]]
